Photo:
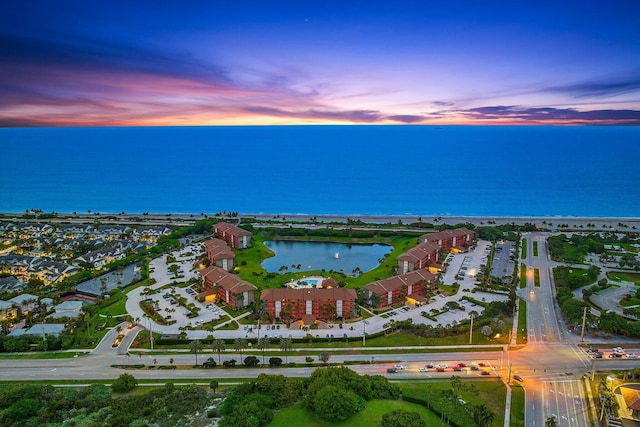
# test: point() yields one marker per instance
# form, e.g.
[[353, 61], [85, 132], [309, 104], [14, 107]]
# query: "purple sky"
[[81, 63]]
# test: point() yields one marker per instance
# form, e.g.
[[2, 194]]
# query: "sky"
[[142, 63]]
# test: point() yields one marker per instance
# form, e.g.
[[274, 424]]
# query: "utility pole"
[[364, 331], [471, 331], [584, 322]]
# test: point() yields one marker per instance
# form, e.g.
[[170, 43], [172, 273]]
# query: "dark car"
[[430, 366], [457, 368], [482, 364], [597, 355], [474, 368], [461, 365], [392, 370], [439, 369], [518, 378], [486, 373]]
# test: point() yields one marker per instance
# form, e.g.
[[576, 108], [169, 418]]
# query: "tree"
[[240, 344], [286, 344], [124, 383], [195, 347], [263, 344], [486, 331], [324, 357], [213, 385], [482, 415], [333, 404], [551, 422], [402, 418], [218, 345]]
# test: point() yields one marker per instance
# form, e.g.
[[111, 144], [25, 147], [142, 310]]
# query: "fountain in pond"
[[337, 255]]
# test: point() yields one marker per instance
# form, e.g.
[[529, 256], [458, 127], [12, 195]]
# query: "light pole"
[[364, 332], [471, 330]]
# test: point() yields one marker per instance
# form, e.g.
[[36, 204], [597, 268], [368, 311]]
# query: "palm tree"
[[551, 422], [196, 346], [263, 344], [286, 344], [482, 415], [218, 345], [240, 344]]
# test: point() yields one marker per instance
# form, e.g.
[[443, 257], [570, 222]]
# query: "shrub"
[[229, 363], [275, 361], [251, 361], [124, 383]]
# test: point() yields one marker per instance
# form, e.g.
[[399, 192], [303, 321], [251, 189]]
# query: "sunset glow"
[[280, 63]]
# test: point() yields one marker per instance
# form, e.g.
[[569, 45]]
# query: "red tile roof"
[[446, 234], [419, 252], [230, 282], [395, 282], [231, 230], [218, 249], [631, 397]]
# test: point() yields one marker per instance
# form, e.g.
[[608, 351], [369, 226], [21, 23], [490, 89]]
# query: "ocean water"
[[347, 170]]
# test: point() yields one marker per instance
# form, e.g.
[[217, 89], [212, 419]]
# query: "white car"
[[422, 370], [631, 355], [398, 366]]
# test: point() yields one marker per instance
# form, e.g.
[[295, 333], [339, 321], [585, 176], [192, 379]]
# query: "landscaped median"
[[516, 417], [523, 276], [522, 323]]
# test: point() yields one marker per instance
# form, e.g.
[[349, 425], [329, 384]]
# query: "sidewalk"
[[507, 407]]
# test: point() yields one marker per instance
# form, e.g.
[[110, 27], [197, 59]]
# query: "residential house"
[[412, 286], [631, 397], [45, 329], [227, 287], [459, 239], [25, 302], [8, 310], [309, 304], [151, 233], [70, 309], [100, 257], [236, 237], [425, 255], [219, 254], [11, 283]]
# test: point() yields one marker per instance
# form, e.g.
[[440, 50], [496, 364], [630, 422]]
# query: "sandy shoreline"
[[552, 222]]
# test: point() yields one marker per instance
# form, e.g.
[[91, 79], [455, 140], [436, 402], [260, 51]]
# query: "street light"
[[364, 331]]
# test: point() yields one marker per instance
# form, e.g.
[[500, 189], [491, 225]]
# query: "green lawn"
[[491, 392], [535, 248], [536, 277], [517, 406], [625, 277], [523, 276], [523, 246], [371, 416], [522, 323]]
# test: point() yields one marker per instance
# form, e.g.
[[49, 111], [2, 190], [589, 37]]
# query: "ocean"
[[342, 170]]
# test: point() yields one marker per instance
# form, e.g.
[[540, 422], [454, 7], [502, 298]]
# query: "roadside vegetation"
[[536, 277], [522, 323], [523, 247], [523, 276], [535, 248]]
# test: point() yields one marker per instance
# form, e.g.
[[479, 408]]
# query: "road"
[[552, 352]]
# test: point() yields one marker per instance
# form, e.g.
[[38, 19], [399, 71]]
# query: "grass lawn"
[[491, 392], [117, 308], [523, 246], [517, 406], [523, 276], [536, 277], [625, 277], [522, 323], [41, 355], [535, 248], [371, 416]]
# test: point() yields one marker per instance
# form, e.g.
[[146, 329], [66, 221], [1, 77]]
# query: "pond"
[[350, 259]]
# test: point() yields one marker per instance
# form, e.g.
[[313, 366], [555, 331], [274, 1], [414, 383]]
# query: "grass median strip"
[[536, 277], [523, 245], [523, 276], [535, 248], [517, 406], [522, 323]]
